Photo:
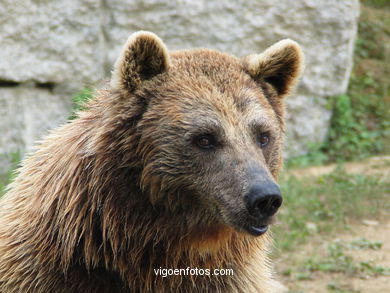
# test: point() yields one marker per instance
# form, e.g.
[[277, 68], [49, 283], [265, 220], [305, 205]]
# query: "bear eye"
[[205, 141], [263, 139]]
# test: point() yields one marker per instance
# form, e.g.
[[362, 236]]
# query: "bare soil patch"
[[297, 276]]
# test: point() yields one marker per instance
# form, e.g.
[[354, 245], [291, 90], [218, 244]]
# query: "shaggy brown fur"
[[123, 189]]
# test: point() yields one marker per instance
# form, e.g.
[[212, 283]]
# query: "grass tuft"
[[79, 101], [322, 204]]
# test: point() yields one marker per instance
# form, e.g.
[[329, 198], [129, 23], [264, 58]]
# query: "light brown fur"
[[120, 191]]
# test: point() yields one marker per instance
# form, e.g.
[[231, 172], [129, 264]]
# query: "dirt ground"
[[320, 281], [375, 230], [378, 166]]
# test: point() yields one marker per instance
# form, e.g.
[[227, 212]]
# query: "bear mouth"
[[257, 228], [245, 223]]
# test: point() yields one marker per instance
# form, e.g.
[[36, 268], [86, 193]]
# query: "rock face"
[[51, 49], [51, 41], [325, 29], [26, 112]]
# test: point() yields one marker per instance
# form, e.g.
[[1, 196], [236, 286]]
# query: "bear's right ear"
[[143, 56]]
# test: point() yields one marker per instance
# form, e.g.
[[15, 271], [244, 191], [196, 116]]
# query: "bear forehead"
[[208, 81], [212, 64]]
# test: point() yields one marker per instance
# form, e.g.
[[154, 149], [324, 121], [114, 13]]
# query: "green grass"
[[7, 177], [316, 205], [79, 100], [339, 261], [377, 3], [338, 288], [2, 187]]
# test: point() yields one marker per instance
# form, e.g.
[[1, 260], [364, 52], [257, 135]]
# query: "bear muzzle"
[[262, 202]]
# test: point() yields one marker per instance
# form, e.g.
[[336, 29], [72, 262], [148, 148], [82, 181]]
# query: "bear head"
[[209, 128]]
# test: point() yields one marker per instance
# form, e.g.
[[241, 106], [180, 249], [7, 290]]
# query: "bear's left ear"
[[143, 56], [280, 65]]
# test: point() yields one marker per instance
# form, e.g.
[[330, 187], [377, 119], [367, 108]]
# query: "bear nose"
[[263, 200]]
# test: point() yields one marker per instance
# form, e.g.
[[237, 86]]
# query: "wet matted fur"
[[123, 190]]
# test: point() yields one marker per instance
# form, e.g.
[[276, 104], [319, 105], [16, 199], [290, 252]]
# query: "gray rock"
[[74, 43], [26, 114], [325, 29], [51, 41], [308, 118]]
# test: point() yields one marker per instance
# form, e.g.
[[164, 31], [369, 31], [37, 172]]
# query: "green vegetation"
[[316, 205], [8, 176], [360, 124], [338, 260], [363, 243], [79, 101], [2, 188], [377, 3], [317, 209]]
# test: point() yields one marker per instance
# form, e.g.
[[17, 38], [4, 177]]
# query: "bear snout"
[[263, 200]]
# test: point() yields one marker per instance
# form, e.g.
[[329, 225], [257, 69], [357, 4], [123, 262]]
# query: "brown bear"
[[172, 168]]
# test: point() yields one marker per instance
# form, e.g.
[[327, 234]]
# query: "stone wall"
[[52, 49]]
